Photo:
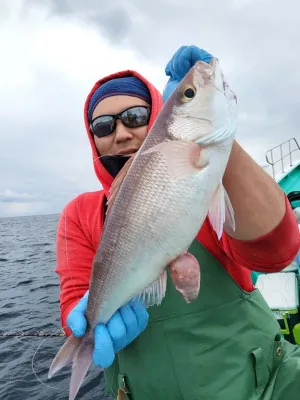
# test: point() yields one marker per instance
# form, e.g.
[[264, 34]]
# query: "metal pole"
[[281, 157], [273, 166], [290, 153]]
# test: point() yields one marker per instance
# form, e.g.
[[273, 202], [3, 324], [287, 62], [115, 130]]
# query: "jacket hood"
[[102, 174]]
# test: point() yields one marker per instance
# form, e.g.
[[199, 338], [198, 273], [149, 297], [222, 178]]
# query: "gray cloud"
[[115, 24], [255, 40], [44, 149], [113, 19], [10, 196], [62, 7]]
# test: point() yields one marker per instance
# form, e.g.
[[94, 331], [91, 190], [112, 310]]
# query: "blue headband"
[[128, 86]]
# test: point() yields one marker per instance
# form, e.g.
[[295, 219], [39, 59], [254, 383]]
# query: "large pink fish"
[[158, 203]]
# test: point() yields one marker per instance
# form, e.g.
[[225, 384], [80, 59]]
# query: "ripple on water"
[[26, 282], [32, 303], [42, 287]]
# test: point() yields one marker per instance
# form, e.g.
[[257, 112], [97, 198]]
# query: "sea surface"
[[29, 293]]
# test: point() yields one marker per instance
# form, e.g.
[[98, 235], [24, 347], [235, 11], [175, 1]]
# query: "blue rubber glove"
[[180, 64], [123, 327]]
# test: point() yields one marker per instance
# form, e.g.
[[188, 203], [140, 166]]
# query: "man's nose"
[[122, 132]]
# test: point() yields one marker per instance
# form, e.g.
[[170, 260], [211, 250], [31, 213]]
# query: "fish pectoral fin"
[[229, 212], [154, 293], [185, 275], [221, 211], [117, 184], [183, 158]]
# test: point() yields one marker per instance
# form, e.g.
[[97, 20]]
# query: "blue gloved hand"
[[123, 327], [180, 64]]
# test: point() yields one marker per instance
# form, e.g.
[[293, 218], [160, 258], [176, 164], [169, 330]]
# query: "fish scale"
[[137, 246]]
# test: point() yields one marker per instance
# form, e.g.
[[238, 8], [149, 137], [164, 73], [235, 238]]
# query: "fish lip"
[[129, 151]]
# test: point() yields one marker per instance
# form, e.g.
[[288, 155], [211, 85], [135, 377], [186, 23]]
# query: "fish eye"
[[188, 93]]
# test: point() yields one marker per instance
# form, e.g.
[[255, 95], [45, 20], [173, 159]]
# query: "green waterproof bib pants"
[[226, 345]]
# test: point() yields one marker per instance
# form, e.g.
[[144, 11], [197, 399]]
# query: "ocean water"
[[29, 301]]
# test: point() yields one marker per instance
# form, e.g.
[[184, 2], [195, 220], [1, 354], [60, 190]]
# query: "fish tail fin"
[[80, 366], [65, 355], [79, 352]]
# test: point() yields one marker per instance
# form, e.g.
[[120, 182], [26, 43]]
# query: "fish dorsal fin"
[[154, 293], [117, 184]]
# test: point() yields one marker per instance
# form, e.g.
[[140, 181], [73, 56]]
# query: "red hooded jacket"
[[81, 223]]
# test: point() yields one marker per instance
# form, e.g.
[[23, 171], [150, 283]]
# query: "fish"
[[157, 205]]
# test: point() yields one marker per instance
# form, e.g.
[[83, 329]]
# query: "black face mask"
[[113, 164]]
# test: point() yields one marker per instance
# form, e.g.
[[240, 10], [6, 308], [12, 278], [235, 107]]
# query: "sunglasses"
[[133, 117]]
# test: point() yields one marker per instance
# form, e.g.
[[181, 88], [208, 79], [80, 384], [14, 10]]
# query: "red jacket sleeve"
[[271, 252], [75, 252]]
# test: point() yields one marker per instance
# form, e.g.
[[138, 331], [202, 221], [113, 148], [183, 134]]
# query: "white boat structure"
[[281, 160], [281, 290]]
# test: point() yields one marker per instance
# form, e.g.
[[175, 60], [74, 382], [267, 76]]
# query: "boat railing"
[[278, 154]]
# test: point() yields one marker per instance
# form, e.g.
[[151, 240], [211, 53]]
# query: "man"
[[226, 344]]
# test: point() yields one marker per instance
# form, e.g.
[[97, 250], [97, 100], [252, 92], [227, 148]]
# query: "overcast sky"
[[52, 52]]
